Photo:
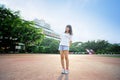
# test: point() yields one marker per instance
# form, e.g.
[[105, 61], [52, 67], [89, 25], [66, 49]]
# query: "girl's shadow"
[[65, 76]]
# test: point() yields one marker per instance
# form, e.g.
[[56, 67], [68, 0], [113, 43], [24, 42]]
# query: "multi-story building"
[[49, 33]]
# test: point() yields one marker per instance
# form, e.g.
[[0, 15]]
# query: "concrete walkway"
[[47, 67]]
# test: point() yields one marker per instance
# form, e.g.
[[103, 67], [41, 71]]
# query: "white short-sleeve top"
[[65, 38]]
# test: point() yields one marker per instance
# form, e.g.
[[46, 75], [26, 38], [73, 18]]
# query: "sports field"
[[47, 67]]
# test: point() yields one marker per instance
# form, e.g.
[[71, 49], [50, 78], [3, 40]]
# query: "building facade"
[[49, 33]]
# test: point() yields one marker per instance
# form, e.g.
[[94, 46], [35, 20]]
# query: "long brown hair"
[[70, 29]]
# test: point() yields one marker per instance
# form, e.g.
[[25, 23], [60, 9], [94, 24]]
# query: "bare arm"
[[70, 43]]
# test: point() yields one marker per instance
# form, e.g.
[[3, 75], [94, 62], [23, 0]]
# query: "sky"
[[90, 19]]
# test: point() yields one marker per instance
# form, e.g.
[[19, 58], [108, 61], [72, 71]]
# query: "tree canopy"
[[12, 26], [99, 46]]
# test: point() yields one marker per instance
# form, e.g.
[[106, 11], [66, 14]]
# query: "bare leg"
[[66, 52], [62, 59]]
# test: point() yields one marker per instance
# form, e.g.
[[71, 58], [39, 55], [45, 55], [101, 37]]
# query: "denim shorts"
[[63, 47]]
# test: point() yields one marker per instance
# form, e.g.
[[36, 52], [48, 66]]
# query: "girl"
[[65, 42]]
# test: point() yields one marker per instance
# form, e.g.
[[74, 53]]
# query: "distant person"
[[65, 42]]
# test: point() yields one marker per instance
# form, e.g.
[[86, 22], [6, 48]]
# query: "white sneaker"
[[66, 71], [63, 71]]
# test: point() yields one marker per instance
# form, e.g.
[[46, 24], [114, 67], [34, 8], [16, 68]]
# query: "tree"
[[54, 46], [49, 45], [29, 35], [8, 21], [14, 29], [113, 48], [97, 46], [75, 47]]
